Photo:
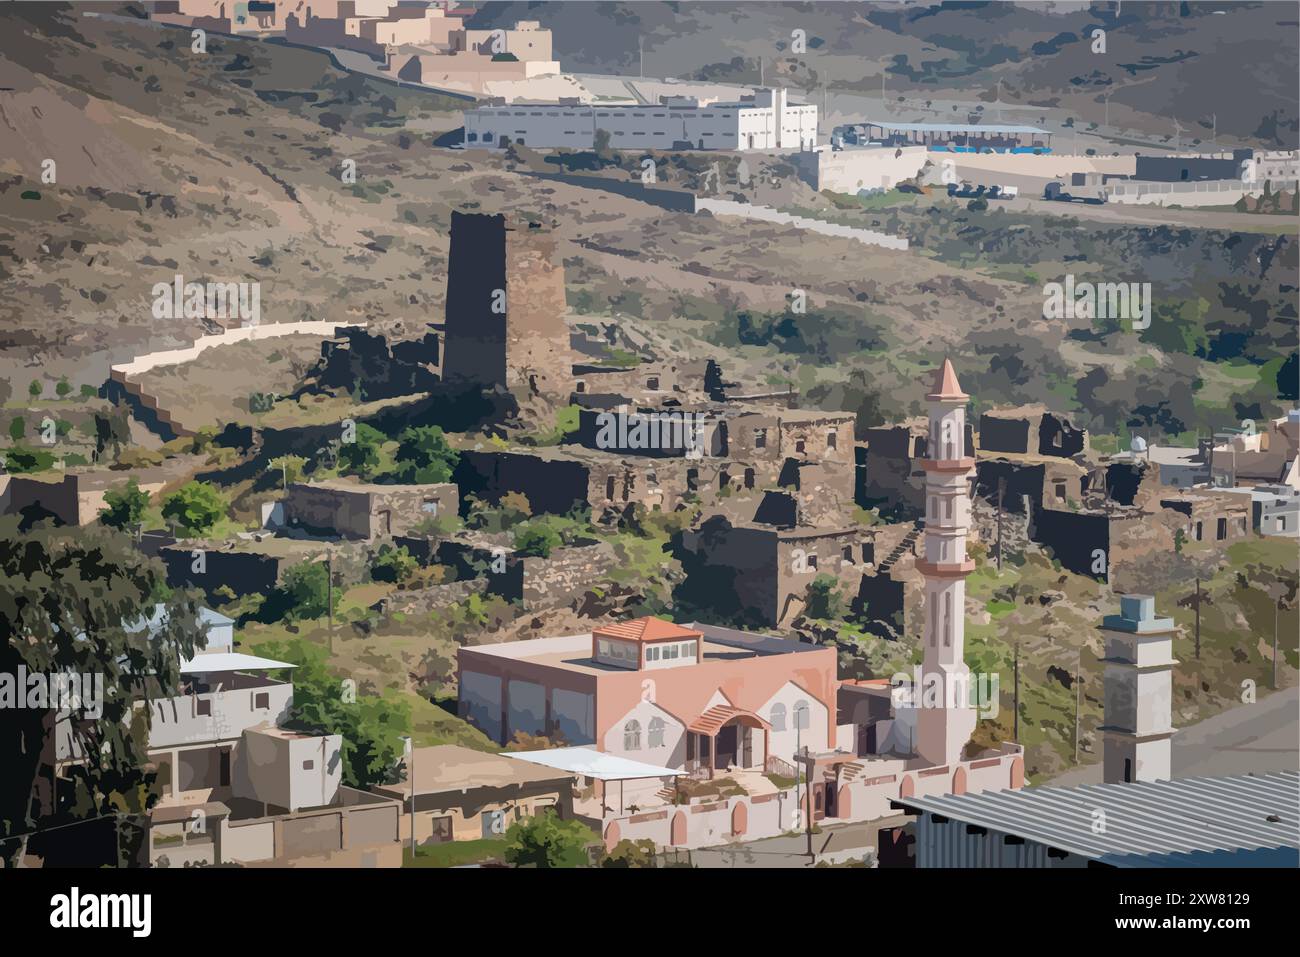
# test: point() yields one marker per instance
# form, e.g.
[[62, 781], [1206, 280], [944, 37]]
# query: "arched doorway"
[[678, 836], [843, 808], [959, 781], [611, 836], [1017, 773], [907, 788], [739, 819]]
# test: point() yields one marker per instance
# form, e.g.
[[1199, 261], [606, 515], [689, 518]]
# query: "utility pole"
[[1277, 606], [1015, 671], [1198, 619], [1214, 125], [807, 762], [640, 54], [329, 598], [1002, 488], [1078, 693]]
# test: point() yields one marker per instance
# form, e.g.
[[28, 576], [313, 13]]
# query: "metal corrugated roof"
[[951, 127], [1146, 820]]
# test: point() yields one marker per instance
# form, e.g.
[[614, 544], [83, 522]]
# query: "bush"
[[17, 430], [824, 599], [424, 457], [63, 389], [545, 840], [536, 540], [630, 854], [125, 507], [361, 457], [391, 564], [195, 507], [302, 594], [20, 458]]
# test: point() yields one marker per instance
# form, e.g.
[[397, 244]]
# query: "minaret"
[[945, 723], [1139, 692]]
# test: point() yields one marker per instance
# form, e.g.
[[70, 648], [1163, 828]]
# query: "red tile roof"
[[646, 629]]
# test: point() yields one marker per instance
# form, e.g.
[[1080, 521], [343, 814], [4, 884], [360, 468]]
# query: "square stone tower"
[[1139, 692], [505, 308]]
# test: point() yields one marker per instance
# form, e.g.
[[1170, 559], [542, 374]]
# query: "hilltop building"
[[765, 121]]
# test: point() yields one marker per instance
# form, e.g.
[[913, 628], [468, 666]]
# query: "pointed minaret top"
[[946, 385]]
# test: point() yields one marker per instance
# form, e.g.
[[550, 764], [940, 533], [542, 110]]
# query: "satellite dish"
[[1138, 444]]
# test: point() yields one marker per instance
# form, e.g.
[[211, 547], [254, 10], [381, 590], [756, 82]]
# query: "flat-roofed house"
[[465, 795]]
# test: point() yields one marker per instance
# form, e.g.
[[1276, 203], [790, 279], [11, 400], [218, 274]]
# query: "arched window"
[[801, 714], [777, 717], [947, 620], [934, 506], [947, 508], [932, 619], [632, 736], [656, 733]]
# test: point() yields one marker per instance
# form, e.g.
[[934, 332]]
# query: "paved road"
[[1259, 737]]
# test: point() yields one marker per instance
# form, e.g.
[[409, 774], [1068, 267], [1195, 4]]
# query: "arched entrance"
[[959, 781], [1017, 773], [907, 788], [843, 807], [678, 836], [611, 836], [739, 819]]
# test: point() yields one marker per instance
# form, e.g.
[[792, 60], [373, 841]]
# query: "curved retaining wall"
[[145, 405]]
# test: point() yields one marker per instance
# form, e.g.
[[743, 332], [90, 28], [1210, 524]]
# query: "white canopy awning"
[[229, 661], [593, 764]]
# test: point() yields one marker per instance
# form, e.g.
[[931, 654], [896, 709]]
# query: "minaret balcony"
[[945, 569], [964, 464]]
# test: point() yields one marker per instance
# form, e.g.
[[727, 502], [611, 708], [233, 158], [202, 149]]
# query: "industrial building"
[[764, 121], [1239, 821], [948, 137]]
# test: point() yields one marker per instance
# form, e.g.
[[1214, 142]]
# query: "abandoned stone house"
[[1031, 429], [354, 510], [760, 573], [796, 464]]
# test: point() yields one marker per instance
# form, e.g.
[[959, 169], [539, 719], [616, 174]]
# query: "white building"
[[765, 121]]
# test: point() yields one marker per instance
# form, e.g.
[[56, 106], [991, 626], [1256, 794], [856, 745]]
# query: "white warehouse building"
[[765, 121]]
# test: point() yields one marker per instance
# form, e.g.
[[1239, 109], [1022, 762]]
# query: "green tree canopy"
[[124, 507], [545, 840], [535, 539], [372, 727], [194, 507], [76, 602], [423, 455], [361, 457]]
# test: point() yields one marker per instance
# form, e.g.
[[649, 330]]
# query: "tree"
[[93, 584], [194, 507], [361, 456], [423, 455], [536, 540], [372, 727], [824, 599], [17, 430], [35, 389], [392, 565], [544, 840], [64, 388], [290, 467], [302, 594], [125, 507]]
